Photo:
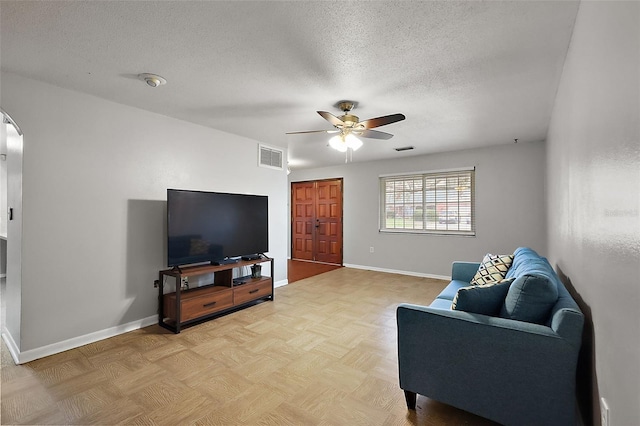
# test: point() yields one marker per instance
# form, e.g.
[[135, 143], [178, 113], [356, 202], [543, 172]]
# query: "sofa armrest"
[[501, 369], [464, 271]]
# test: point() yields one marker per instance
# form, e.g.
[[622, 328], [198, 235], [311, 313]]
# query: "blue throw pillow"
[[530, 298], [485, 299]]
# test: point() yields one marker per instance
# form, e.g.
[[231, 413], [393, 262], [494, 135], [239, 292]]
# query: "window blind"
[[439, 203]]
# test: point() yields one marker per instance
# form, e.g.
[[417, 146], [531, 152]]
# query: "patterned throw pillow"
[[493, 268]]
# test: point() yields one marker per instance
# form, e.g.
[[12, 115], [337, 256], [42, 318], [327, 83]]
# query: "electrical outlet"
[[604, 412], [370, 249]]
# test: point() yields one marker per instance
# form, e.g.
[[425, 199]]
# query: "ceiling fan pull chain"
[[348, 157]]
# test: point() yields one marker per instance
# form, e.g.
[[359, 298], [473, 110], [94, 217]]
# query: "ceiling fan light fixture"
[[344, 142], [337, 142], [352, 142]]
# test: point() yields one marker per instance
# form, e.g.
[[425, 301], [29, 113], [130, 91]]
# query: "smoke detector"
[[152, 80]]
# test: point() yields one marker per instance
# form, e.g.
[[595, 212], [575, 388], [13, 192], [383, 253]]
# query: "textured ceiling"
[[465, 74]]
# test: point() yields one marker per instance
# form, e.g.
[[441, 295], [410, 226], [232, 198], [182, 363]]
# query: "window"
[[437, 202]]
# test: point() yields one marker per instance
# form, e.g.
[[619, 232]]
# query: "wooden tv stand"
[[225, 294]]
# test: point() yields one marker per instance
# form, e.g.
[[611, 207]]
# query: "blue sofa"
[[514, 371]]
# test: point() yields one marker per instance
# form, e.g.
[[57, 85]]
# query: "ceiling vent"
[[270, 157]]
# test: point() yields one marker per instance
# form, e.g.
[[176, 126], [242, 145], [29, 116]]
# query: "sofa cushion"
[[451, 289], [530, 298], [440, 303], [485, 299], [524, 260], [493, 268]]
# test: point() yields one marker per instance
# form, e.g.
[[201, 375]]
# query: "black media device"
[[215, 227], [252, 257]]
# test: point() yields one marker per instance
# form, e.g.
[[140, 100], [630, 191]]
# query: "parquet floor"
[[322, 353]]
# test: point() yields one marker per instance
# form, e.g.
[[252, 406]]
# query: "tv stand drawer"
[[248, 292], [200, 303]]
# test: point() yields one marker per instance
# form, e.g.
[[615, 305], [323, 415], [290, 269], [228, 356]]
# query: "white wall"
[[593, 159], [3, 179], [510, 208], [94, 204], [13, 290], [3, 199]]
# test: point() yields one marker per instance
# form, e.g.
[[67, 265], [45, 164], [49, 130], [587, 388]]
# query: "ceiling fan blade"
[[381, 121], [373, 134], [331, 118], [309, 131], [313, 131]]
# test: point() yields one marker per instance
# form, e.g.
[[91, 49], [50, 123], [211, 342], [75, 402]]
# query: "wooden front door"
[[303, 220], [316, 221]]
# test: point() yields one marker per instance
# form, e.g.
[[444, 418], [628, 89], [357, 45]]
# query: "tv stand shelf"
[[185, 307]]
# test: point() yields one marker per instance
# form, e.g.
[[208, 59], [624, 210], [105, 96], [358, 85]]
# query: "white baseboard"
[[280, 283], [54, 348], [396, 271], [65, 345], [11, 345]]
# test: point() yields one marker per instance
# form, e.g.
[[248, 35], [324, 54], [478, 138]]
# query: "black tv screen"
[[213, 226]]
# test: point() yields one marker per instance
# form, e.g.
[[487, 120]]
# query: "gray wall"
[[510, 208], [94, 199], [593, 157]]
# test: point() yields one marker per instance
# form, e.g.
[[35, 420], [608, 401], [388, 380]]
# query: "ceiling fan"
[[348, 127]]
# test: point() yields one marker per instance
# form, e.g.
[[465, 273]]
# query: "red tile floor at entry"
[[300, 269]]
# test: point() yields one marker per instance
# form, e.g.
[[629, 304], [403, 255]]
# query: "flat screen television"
[[214, 226]]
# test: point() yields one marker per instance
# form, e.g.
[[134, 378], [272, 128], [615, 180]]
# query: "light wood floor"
[[322, 353]]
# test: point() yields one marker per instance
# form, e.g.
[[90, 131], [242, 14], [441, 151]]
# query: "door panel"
[[330, 219], [303, 199], [322, 220]]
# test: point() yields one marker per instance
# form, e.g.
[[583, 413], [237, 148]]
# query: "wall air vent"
[[270, 157], [404, 148]]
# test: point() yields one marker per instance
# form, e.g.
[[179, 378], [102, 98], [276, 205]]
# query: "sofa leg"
[[411, 399]]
